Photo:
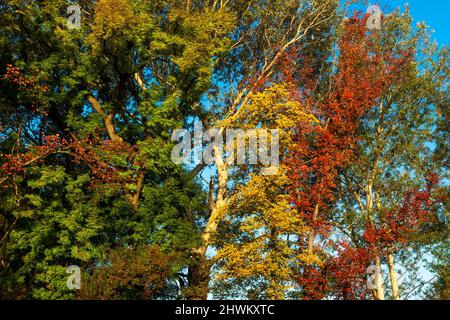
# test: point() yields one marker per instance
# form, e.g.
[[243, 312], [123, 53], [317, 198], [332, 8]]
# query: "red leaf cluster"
[[401, 224], [97, 154], [31, 86]]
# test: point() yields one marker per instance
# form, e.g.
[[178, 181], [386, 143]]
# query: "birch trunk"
[[393, 276], [379, 279], [379, 295]]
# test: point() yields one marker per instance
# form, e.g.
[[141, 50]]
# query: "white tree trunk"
[[379, 279], [393, 276]]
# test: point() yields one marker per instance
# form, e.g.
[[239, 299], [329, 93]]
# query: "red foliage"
[[401, 224], [362, 75], [343, 276], [323, 149], [30, 86], [95, 153]]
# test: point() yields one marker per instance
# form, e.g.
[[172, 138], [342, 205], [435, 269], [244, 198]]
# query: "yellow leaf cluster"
[[273, 108], [117, 25], [267, 223]]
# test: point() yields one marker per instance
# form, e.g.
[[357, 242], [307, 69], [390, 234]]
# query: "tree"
[[85, 142], [323, 151], [394, 154], [247, 70], [87, 179], [254, 237]]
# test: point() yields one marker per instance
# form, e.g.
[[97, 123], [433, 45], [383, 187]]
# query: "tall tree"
[[395, 151], [323, 151], [86, 142]]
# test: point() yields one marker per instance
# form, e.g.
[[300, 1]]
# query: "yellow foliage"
[[274, 108], [264, 224], [266, 221], [310, 259], [118, 23], [204, 35]]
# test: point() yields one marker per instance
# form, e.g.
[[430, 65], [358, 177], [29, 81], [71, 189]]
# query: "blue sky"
[[436, 14]]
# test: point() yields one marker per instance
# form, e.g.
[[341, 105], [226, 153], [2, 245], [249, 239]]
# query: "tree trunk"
[[107, 119], [393, 276], [379, 279], [312, 232], [200, 275], [379, 294], [137, 194]]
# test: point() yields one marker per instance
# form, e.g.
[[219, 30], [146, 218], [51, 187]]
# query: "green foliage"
[[57, 211]]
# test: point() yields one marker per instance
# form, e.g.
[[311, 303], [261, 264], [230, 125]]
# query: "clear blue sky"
[[435, 13]]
